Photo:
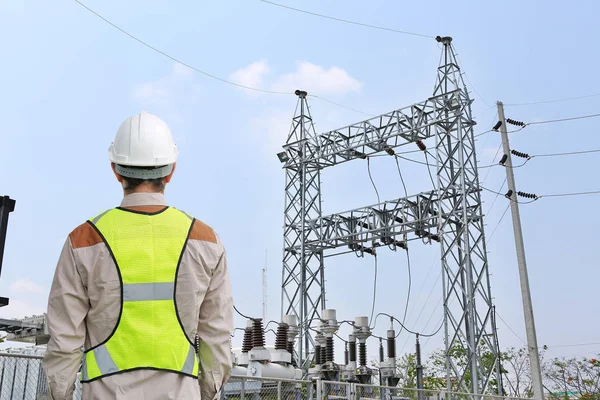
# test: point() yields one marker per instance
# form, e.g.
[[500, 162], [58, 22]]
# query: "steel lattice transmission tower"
[[303, 289], [450, 214]]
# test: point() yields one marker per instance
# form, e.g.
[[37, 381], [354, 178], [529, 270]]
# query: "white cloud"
[[252, 76], [314, 78], [162, 90], [26, 286], [165, 92], [307, 76], [19, 309], [272, 129]]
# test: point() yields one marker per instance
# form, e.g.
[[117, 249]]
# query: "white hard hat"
[[143, 140]]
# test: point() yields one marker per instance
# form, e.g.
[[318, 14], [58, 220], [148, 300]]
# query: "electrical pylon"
[[450, 214]]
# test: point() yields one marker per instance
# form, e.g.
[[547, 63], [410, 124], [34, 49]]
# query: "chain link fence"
[[242, 388], [22, 378]]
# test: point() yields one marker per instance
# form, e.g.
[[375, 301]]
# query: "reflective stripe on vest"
[[147, 249]]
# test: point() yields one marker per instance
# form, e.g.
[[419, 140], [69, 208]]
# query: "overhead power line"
[[347, 21], [173, 58], [574, 345], [564, 119], [570, 194], [408, 330], [553, 101], [571, 153], [164, 54]]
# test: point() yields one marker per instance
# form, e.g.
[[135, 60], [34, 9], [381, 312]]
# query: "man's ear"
[[168, 177], [119, 177]]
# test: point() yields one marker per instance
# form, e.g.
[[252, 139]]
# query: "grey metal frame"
[[451, 214]]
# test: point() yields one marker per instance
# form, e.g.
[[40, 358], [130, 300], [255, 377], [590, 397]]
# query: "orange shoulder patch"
[[201, 231], [84, 236]]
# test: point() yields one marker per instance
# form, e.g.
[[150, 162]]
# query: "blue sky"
[[68, 80]]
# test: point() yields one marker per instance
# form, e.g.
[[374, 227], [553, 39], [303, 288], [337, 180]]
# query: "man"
[[143, 288]]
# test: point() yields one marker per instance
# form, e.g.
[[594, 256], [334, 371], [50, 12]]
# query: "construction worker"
[[141, 302]]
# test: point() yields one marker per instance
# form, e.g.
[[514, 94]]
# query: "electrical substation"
[[449, 214]]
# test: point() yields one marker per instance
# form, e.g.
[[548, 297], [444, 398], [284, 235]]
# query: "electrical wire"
[[372, 181], [552, 101], [411, 160], [574, 345], [405, 328], [564, 119], [570, 194], [164, 54], [496, 198], [409, 289], [401, 178], [347, 21], [506, 166], [374, 290], [493, 160], [341, 105], [511, 329], [498, 224], [238, 311], [566, 154], [429, 169], [173, 58], [571, 153], [407, 252]]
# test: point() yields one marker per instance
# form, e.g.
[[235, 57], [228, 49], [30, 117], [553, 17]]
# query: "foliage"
[[567, 375], [562, 377]]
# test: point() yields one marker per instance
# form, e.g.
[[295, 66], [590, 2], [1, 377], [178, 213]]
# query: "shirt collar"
[[144, 199]]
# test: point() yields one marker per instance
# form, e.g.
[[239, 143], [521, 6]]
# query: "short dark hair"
[[158, 184]]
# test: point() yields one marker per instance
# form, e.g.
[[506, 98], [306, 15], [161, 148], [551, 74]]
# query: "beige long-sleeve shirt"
[[84, 304]]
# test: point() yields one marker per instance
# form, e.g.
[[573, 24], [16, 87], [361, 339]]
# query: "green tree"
[[580, 377]]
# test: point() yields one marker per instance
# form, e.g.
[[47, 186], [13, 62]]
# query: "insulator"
[[527, 195], [362, 354], [352, 351], [346, 359], [421, 145], [290, 347], [247, 343], [324, 354], [503, 159], [390, 151], [391, 343], [508, 194], [381, 351], [497, 126], [519, 154], [317, 354], [513, 122], [329, 350], [281, 337], [359, 154], [258, 333]]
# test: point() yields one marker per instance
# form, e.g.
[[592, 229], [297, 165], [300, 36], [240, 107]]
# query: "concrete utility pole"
[[419, 371], [534, 360]]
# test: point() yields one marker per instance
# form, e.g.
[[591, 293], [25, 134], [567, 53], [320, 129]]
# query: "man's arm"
[[215, 326], [68, 305]]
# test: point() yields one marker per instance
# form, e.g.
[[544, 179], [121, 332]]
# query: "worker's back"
[[139, 282]]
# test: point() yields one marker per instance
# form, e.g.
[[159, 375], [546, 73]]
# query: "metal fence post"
[[279, 390], [26, 376], [319, 389]]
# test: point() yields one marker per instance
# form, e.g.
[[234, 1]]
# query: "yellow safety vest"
[[147, 250]]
